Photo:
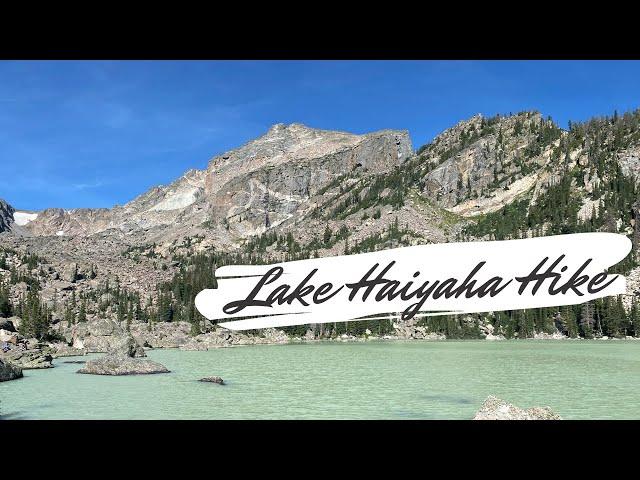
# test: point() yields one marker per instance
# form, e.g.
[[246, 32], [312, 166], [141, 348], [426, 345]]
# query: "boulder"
[[495, 409], [29, 358], [70, 272], [7, 324], [127, 346], [122, 365], [217, 380], [103, 327], [9, 371], [7, 336]]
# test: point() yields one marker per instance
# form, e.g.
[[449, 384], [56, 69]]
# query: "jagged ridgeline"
[[298, 193]]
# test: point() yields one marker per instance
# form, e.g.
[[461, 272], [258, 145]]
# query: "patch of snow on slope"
[[22, 218]]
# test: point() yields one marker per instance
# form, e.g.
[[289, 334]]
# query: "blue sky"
[[94, 134]]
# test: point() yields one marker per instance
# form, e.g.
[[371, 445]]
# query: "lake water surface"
[[367, 380]]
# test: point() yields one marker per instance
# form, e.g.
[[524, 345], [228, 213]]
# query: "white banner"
[[421, 280]]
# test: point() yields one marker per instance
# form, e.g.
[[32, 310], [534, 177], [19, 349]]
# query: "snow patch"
[[22, 218]]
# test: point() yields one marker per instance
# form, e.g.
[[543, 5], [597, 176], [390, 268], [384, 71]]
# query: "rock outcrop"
[[9, 371], [495, 409], [123, 359], [97, 336], [6, 216], [30, 358]]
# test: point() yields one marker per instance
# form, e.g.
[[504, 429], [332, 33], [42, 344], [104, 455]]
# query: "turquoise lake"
[[364, 380]]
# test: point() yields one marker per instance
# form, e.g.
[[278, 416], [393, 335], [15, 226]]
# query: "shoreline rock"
[[30, 358], [63, 350], [494, 408], [9, 371]]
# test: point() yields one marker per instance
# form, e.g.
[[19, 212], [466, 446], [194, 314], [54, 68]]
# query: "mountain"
[[298, 192], [262, 184]]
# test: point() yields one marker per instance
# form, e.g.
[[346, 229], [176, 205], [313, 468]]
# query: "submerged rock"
[[122, 365], [9, 371], [494, 408], [217, 380]]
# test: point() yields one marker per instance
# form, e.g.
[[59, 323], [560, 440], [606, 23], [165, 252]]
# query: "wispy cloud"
[[87, 186]]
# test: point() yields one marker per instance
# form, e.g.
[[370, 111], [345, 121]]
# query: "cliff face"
[[270, 180], [6, 215], [483, 159]]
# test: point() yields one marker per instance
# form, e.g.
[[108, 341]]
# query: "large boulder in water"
[[9, 371], [122, 365], [495, 409], [123, 359]]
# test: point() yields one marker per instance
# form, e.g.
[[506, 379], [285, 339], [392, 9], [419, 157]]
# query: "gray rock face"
[[266, 182], [475, 159], [495, 409], [122, 365], [9, 371], [28, 359], [6, 216]]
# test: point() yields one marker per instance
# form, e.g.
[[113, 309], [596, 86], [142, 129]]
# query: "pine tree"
[[82, 314], [5, 304]]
